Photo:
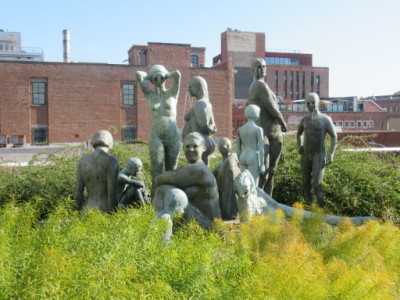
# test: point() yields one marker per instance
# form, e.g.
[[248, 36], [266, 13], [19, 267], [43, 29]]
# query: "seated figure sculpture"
[[98, 173], [196, 180], [165, 137], [131, 190], [254, 201], [225, 173], [250, 144], [200, 117], [311, 142]]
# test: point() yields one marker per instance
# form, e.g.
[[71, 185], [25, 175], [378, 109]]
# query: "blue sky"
[[358, 40]]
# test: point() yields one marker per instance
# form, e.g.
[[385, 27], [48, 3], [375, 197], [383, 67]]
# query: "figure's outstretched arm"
[[112, 179], [80, 186], [260, 143], [332, 132], [268, 100], [200, 111], [176, 76], [182, 177], [300, 132], [123, 178], [238, 144]]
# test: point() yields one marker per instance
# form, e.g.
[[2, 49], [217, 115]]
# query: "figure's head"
[[102, 138], [252, 112], [224, 146], [312, 101], [259, 68], [193, 146], [244, 185], [198, 87], [175, 201], [134, 165], [158, 75]]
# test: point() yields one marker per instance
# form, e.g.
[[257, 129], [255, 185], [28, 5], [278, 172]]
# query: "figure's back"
[[99, 171]]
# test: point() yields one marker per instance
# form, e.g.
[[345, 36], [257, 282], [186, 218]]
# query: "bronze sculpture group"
[[193, 190]]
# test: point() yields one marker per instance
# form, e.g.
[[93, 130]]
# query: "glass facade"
[[283, 61]]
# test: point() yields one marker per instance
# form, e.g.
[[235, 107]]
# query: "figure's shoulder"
[[200, 104]]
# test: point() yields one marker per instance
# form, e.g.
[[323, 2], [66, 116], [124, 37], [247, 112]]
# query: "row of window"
[[355, 124], [39, 134], [282, 61], [293, 82], [39, 92]]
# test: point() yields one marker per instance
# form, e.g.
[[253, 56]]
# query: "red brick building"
[[67, 102], [290, 75]]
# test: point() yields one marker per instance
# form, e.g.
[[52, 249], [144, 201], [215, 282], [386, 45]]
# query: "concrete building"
[[11, 48], [43, 102], [290, 74]]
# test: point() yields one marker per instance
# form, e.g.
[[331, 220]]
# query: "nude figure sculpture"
[[97, 172], [130, 189], [164, 140], [196, 180], [250, 144], [271, 121], [311, 142], [200, 117], [254, 201], [225, 173]]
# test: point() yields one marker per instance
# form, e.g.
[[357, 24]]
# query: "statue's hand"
[[262, 169], [284, 127], [140, 75], [329, 160], [301, 150]]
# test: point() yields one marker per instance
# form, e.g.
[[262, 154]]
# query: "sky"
[[359, 40]]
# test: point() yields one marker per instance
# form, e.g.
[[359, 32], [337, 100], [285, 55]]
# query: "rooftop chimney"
[[67, 56]]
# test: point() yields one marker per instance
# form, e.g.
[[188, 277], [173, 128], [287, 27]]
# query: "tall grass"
[[121, 255]]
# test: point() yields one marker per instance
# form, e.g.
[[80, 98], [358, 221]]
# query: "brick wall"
[[83, 98]]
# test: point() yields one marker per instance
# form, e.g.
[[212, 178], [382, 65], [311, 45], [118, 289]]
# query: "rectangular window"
[[194, 60], [38, 91], [297, 85], [359, 124], [276, 82], [285, 83], [318, 79], [129, 134], [39, 135], [346, 124], [303, 82], [371, 124], [352, 124], [291, 84], [128, 93], [142, 57], [312, 82]]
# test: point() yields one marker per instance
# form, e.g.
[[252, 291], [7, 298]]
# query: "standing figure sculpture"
[[195, 179], [98, 172], [311, 142], [200, 117], [250, 144], [271, 121], [164, 140], [130, 189], [225, 173]]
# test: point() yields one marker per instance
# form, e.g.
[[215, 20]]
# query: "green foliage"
[[92, 255], [355, 184]]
